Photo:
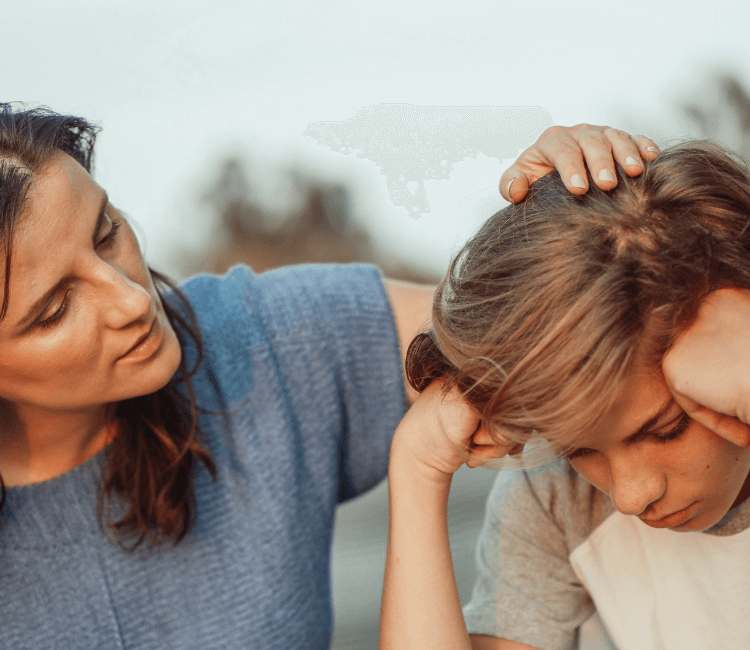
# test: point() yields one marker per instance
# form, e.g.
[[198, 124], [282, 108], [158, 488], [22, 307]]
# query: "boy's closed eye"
[[675, 430]]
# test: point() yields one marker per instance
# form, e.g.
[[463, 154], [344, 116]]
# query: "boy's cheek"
[[594, 470]]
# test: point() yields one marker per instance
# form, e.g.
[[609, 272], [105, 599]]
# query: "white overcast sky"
[[178, 84]]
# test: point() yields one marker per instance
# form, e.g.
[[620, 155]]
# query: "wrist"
[[409, 465], [418, 498]]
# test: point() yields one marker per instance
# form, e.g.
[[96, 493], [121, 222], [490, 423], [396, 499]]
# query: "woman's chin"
[[150, 375]]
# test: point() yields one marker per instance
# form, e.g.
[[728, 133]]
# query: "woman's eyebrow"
[[101, 216], [41, 303]]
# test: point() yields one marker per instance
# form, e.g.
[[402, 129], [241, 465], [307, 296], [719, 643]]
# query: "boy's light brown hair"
[[545, 310]]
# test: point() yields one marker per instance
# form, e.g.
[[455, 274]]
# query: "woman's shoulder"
[[292, 296], [292, 321]]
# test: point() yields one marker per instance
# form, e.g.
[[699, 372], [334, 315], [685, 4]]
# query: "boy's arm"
[[421, 606], [523, 553]]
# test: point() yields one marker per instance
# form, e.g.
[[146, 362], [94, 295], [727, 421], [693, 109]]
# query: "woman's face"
[[85, 326], [657, 464]]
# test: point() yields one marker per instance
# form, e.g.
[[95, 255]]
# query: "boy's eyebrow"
[[649, 424], [644, 428]]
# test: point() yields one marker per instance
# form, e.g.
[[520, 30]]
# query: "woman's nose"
[[634, 484], [127, 302]]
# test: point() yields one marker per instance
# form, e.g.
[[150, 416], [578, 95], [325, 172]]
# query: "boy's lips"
[[671, 520]]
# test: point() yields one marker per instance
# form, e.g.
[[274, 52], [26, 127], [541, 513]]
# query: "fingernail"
[[606, 175], [576, 180], [632, 162], [507, 191], [652, 149]]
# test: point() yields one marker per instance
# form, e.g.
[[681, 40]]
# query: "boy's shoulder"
[[555, 495]]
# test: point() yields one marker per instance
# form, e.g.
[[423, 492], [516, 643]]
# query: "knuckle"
[[553, 133], [568, 146], [616, 134], [594, 138]]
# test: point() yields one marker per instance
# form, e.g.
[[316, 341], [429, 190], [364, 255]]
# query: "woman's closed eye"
[[59, 313], [109, 239], [659, 437], [105, 243]]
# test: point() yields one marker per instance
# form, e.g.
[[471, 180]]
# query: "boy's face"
[[657, 464]]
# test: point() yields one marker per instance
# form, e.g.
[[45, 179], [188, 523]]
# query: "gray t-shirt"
[[553, 551]]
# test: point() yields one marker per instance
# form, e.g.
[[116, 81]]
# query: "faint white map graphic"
[[411, 144]]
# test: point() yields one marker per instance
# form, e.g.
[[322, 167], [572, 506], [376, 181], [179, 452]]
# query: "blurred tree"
[[725, 115], [320, 229]]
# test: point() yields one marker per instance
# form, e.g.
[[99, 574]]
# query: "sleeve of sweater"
[[325, 335]]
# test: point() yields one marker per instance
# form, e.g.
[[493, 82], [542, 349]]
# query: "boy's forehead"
[[643, 404]]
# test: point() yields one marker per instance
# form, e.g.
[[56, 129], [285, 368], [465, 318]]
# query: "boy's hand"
[[570, 150], [708, 368], [441, 432]]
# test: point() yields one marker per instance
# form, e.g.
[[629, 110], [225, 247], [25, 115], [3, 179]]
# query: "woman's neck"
[[37, 445]]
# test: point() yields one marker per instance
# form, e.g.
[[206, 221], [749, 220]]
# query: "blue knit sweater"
[[303, 367]]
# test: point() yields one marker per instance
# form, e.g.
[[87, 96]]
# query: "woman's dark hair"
[[547, 309], [151, 460]]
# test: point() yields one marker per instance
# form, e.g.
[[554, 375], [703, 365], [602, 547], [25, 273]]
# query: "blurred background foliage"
[[317, 226], [724, 113], [317, 223]]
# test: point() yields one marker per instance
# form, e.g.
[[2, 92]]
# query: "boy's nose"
[[634, 485]]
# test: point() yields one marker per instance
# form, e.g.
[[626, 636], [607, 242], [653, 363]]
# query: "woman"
[[172, 461], [614, 326]]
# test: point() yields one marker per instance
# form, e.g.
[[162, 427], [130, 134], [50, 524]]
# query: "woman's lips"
[[673, 520], [146, 346]]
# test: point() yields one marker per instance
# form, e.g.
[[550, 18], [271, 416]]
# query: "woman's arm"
[[421, 606], [412, 307]]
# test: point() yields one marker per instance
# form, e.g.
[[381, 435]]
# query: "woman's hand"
[[708, 368], [569, 150], [441, 432]]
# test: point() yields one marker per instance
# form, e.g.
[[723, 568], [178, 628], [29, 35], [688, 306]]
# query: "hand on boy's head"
[[570, 150], [708, 368]]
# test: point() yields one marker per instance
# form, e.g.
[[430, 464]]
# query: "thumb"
[[514, 185], [484, 447], [726, 426]]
